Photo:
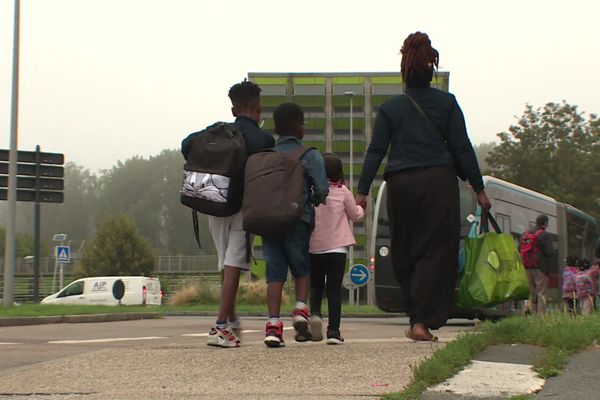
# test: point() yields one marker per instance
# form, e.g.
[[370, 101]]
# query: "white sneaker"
[[236, 328], [218, 337], [316, 328]]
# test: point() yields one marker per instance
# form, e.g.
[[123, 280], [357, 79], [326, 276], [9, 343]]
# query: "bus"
[[515, 208]]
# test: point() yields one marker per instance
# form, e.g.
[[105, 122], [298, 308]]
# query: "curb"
[[72, 319]]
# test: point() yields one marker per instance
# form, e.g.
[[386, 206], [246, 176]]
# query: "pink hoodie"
[[332, 229]]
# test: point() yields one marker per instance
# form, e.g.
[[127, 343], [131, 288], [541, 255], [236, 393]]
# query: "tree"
[[76, 216], [553, 150], [23, 244], [148, 191], [118, 249], [482, 151]]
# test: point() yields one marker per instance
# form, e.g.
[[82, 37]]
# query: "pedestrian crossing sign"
[[62, 253]]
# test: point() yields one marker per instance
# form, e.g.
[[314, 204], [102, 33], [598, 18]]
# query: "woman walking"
[[425, 132]]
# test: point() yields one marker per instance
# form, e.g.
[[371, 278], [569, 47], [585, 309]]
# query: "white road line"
[[106, 340], [492, 379], [244, 331], [8, 343]]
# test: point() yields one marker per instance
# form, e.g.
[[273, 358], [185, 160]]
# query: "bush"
[[194, 292], [118, 249]]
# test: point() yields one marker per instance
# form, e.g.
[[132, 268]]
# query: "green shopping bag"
[[494, 272]]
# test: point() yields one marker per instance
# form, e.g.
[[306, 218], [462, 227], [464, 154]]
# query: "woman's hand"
[[484, 202], [361, 200]]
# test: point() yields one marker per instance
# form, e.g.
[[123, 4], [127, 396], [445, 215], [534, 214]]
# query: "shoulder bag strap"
[[432, 126]]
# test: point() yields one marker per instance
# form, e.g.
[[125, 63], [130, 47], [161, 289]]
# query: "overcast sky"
[[104, 80]]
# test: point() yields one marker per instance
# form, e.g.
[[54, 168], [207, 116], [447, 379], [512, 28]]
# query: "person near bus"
[[428, 146], [539, 269], [329, 245]]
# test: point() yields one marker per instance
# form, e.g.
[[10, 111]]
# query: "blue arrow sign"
[[62, 253], [359, 274]]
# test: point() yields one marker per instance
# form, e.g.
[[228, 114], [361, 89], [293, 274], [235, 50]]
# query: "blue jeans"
[[290, 250]]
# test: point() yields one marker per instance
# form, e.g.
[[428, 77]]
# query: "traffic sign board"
[[62, 253], [34, 157], [29, 195], [30, 182], [359, 275], [50, 171]]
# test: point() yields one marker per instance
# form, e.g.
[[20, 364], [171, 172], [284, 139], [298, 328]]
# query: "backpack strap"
[[196, 228], [299, 152]]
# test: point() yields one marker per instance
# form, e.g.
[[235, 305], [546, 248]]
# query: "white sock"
[[274, 320], [300, 305]]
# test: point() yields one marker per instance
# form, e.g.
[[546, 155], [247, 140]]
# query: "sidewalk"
[[504, 371]]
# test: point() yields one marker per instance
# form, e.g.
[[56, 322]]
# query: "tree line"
[[144, 189], [554, 149]]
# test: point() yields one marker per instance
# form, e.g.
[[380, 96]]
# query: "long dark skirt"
[[424, 212]]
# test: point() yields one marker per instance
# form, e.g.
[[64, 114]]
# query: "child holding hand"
[[329, 244]]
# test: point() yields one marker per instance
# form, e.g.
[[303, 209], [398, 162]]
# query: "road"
[[168, 359]]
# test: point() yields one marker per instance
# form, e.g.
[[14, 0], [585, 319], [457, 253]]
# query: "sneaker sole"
[[334, 341], [273, 341], [302, 330], [316, 329], [222, 344]]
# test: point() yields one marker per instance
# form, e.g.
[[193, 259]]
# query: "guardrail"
[[176, 266]]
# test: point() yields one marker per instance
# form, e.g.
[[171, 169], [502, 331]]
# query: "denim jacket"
[[316, 185]]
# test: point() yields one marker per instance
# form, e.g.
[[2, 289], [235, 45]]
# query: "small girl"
[[329, 244], [586, 288], [569, 286]]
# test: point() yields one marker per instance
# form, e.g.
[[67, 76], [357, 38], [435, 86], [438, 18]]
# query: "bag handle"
[[485, 226]]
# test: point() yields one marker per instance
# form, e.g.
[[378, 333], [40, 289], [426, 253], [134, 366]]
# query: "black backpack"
[[213, 175]]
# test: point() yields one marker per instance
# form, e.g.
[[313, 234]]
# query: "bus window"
[[503, 221]]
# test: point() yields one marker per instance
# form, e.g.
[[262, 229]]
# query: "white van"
[[104, 290]]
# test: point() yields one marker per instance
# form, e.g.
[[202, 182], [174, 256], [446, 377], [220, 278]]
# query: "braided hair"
[[419, 59], [244, 94]]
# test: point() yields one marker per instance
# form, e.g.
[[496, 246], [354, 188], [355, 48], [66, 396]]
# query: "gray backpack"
[[273, 188]]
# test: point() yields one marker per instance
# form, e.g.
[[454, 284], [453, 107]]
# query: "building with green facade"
[[326, 99]]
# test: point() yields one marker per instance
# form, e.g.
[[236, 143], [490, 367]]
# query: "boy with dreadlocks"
[[425, 132], [227, 232]]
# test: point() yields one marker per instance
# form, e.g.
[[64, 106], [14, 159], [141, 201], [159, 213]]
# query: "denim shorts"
[[290, 250]]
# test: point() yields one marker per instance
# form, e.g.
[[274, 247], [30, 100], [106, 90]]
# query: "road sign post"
[[359, 276], [63, 256], [39, 179]]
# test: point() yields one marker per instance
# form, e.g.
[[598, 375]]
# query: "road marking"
[[106, 340], [244, 331], [8, 343], [492, 379]]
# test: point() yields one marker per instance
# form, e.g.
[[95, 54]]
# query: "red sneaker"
[[274, 335]]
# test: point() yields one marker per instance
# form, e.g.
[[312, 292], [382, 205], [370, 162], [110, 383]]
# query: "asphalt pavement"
[[168, 359]]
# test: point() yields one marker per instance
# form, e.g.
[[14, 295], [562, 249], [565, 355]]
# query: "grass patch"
[[560, 334]]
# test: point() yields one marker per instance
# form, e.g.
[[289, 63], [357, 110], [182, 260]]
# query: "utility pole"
[[10, 251]]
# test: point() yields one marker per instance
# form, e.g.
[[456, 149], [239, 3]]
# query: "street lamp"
[[351, 185]]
